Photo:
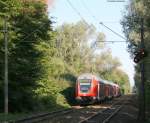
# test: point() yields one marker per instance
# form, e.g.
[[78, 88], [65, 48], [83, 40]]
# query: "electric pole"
[[5, 30]]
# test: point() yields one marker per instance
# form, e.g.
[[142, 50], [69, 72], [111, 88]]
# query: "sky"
[[94, 12]]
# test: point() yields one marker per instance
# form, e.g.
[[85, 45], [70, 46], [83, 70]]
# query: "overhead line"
[[101, 22], [72, 6], [80, 17], [112, 41], [93, 16], [115, 0], [75, 10], [112, 31], [88, 11], [86, 7]]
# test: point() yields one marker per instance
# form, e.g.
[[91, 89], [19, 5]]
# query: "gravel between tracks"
[[127, 114], [78, 114]]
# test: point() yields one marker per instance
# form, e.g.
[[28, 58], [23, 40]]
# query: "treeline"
[[136, 10], [44, 62]]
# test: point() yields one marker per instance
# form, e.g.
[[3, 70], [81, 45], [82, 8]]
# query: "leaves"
[[74, 49], [138, 9], [44, 64]]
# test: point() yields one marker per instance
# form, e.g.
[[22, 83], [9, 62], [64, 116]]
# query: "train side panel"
[[90, 88]]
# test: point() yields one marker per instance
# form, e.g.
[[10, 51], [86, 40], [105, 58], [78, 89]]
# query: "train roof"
[[86, 76], [110, 83], [91, 76]]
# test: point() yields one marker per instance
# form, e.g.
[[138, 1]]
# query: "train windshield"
[[85, 85]]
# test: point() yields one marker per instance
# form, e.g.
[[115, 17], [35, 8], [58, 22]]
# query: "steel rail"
[[112, 115], [41, 117], [94, 115], [102, 112], [115, 112]]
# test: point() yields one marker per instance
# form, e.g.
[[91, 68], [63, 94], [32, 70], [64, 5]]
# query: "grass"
[[11, 116]]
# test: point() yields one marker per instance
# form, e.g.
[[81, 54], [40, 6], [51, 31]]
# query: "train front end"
[[85, 89]]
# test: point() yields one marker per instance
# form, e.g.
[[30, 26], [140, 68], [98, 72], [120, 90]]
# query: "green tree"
[[100, 40], [72, 41], [7, 10], [136, 10], [81, 57], [31, 47], [109, 68]]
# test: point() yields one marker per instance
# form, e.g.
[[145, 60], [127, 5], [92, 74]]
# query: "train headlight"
[[94, 98], [78, 98]]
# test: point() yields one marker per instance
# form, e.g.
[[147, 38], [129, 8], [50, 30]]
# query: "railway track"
[[88, 114], [40, 117], [81, 115], [105, 115], [77, 114]]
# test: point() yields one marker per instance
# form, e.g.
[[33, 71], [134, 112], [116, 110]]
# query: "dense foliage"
[[74, 46], [136, 10], [44, 63], [30, 46]]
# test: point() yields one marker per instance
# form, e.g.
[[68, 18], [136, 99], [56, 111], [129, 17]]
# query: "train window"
[[85, 85], [85, 80]]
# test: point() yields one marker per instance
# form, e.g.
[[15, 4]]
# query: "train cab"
[[86, 87], [91, 88]]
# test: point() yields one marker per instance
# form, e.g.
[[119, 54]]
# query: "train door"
[[76, 89], [109, 91], [106, 91], [102, 91], [98, 91]]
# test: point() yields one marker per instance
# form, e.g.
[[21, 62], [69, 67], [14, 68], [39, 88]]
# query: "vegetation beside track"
[[13, 116], [131, 22], [22, 115], [44, 62]]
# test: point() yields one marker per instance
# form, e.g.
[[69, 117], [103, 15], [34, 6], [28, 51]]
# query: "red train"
[[91, 88]]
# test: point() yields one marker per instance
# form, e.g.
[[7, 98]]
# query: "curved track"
[[104, 116], [100, 113], [41, 117]]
